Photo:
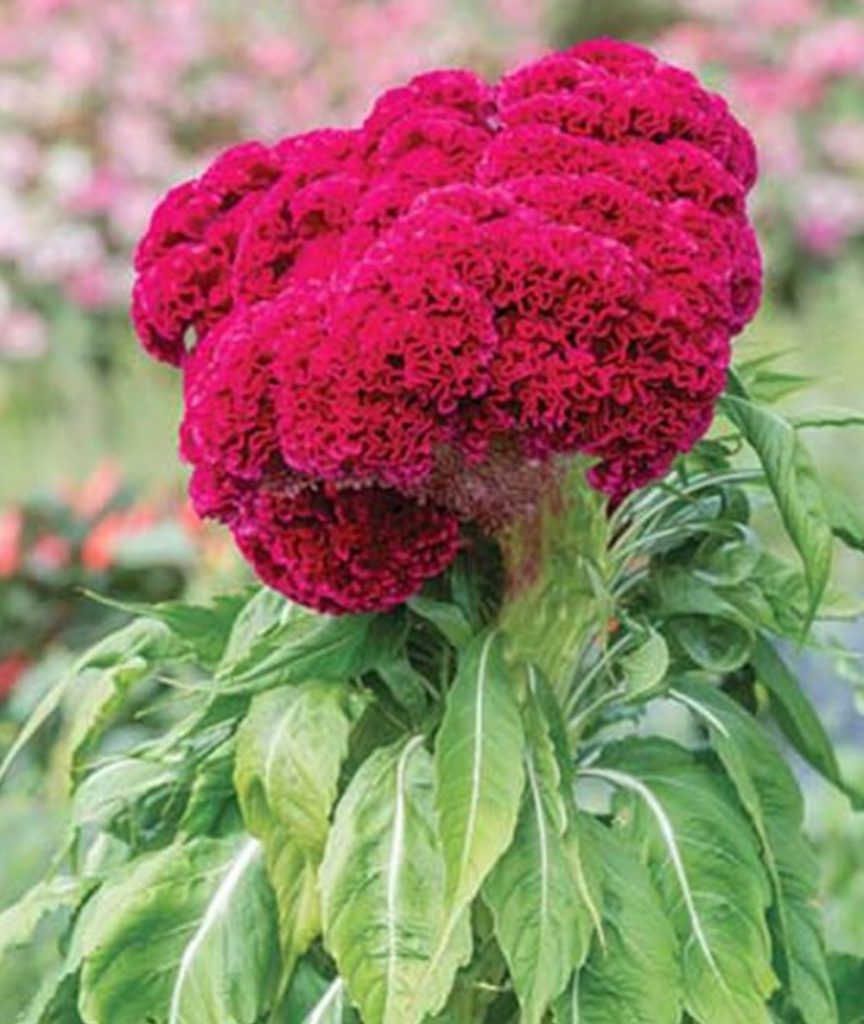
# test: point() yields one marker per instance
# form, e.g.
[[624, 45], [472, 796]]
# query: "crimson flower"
[[391, 331]]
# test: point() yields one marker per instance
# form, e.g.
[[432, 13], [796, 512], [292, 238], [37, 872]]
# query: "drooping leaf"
[[183, 936], [769, 792], [203, 629], [633, 975], [792, 480], [542, 921], [382, 889], [798, 719], [479, 771], [96, 700], [705, 860], [139, 640]]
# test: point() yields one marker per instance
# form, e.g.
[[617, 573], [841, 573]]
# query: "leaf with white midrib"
[[542, 922], [705, 858], [217, 909], [187, 935], [770, 794], [479, 768], [633, 975], [382, 884], [330, 1007]]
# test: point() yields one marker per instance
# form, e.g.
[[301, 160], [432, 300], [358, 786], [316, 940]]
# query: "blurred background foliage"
[[106, 103]]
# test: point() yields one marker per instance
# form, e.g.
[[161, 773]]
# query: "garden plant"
[[502, 736]]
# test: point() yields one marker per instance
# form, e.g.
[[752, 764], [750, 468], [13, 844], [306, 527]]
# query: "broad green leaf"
[[798, 719], [290, 750], [633, 976], [542, 924], [793, 482], [304, 645], [382, 890], [294, 878], [19, 922], [705, 859], [183, 936], [479, 771], [847, 974], [768, 791]]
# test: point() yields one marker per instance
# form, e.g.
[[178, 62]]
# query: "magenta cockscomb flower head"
[[379, 328]]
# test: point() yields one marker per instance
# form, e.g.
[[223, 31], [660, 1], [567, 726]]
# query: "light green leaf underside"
[[382, 889], [479, 771], [705, 859], [183, 936], [769, 793], [543, 922]]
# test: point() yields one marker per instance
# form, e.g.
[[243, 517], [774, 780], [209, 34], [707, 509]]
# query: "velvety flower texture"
[[391, 331]]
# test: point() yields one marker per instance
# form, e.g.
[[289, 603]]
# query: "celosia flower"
[[380, 327]]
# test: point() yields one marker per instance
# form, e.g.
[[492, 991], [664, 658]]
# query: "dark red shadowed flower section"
[[380, 327]]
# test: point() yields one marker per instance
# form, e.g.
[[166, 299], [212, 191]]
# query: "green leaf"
[[847, 974], [645, 667], [768, 791], [141, 639], [183, 936], [204, 629], [96, 699], [542, 925], [304, 645], [717, 645], [382, 886], [793, 482], [479, 771], [797, 718], [56, 1002], [19, 922], [633, 976], [705, 860], [290, 750], [448, 619], [330, 1008]]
